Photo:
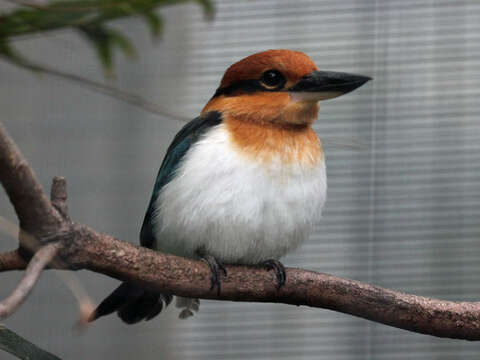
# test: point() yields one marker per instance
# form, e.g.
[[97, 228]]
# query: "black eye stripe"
[[245, 86], [255, 85]]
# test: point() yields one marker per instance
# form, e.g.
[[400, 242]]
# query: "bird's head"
[[279, 88]]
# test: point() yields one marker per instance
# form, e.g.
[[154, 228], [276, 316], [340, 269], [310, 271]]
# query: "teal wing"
[[134, 303], [177, 150]]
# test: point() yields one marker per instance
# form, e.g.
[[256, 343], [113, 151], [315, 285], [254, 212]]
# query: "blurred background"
[[402, 154]]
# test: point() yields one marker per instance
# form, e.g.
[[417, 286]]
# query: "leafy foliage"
[[90, 18], [21, 348]]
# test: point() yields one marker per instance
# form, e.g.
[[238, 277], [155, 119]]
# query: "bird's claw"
[[215, 268], [279, 270]]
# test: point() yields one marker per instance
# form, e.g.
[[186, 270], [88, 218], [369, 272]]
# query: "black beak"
[[322, 85]]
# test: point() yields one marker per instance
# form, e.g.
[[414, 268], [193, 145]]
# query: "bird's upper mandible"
[[278, 87]]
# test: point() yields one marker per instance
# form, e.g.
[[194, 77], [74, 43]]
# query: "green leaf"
[[7, 50], [97, 36], [90, 17], [105, 40], [21, 348], [122, 42], [154, 22], [208, 8], [13, 56]]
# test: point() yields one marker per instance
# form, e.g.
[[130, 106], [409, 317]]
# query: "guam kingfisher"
[[245, 181]]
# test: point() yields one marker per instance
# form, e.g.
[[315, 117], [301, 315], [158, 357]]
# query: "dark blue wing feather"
[[180, 145]]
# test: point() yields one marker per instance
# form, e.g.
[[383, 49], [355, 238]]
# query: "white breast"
[[238, 210]]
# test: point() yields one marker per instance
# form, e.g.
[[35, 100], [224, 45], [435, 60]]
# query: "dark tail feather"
[[113, 302], [132, 303], [164, 299], [138, 308]]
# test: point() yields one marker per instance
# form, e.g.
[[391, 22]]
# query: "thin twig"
[[43, 5], [34, 4], [41, 259], [102, 88], [58, 196], [114, 92], [12, 260]]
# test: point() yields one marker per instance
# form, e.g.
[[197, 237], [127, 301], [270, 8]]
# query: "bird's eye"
[[273, 79]]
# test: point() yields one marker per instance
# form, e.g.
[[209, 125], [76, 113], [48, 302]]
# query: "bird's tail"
[[188, 306], [132, 304]]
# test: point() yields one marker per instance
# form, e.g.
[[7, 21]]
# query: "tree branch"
[[12, 260], [80, 247], [58, 196], [33, 208], [105, 89], [41, 259]]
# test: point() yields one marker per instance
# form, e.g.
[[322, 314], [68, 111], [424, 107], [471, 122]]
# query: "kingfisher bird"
[[243, 183]]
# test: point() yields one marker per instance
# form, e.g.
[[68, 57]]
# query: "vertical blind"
[[402, 161]]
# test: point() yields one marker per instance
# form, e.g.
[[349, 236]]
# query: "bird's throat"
[[271, 143]]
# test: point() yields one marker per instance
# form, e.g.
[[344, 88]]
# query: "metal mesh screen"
[[403, 200]]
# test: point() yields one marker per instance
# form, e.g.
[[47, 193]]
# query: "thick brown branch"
[[185, 277], [41, 259], [82, 248], [12, 260], [33, 208]]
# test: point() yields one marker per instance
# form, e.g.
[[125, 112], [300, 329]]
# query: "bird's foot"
[[279, 270], [215, 268]]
